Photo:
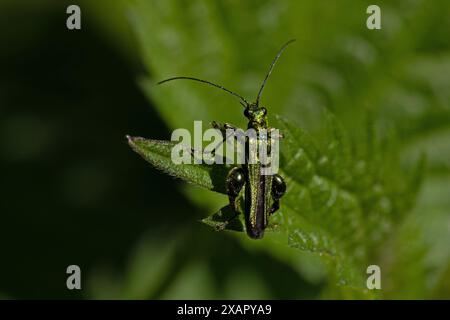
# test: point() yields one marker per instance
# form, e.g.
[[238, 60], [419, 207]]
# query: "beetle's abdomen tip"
[[255, 233]]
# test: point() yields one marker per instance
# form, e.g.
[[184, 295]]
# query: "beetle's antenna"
[[271, 68], [243, 101]]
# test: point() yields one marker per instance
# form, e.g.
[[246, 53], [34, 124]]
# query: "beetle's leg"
[[280, 134], [219, 126], [192, 151], [234, 183], [278, 190], [222, 127], [275, 206]]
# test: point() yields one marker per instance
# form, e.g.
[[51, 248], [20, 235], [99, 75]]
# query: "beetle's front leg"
[[222, 127], [234, 183], [279, 136], [278, 190]]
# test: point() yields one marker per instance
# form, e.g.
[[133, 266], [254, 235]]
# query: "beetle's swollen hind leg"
[[278, 190], [234, 183]]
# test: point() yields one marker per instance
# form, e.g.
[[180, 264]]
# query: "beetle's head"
[[255, 114]]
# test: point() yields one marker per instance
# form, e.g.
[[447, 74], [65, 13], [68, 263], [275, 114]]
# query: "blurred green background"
[[74, 193]]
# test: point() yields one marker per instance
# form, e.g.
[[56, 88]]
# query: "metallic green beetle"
[[262, 192]]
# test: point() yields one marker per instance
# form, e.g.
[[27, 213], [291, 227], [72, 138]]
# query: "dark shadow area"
[[72, 190]]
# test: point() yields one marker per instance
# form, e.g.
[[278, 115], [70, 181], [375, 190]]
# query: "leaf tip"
[[131, 140]]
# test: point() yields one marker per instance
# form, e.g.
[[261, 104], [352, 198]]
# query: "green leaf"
[[224, 219], [324, 211], [158, 153], [346, 187]]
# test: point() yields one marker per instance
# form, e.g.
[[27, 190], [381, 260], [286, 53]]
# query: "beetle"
[[262, 193]]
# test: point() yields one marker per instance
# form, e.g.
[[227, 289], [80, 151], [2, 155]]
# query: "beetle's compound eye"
[[264, 111], [246, 113], [278, 187]]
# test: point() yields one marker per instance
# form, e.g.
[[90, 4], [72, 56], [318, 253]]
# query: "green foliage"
[[158, 153], [336, 206], [354, 195]]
